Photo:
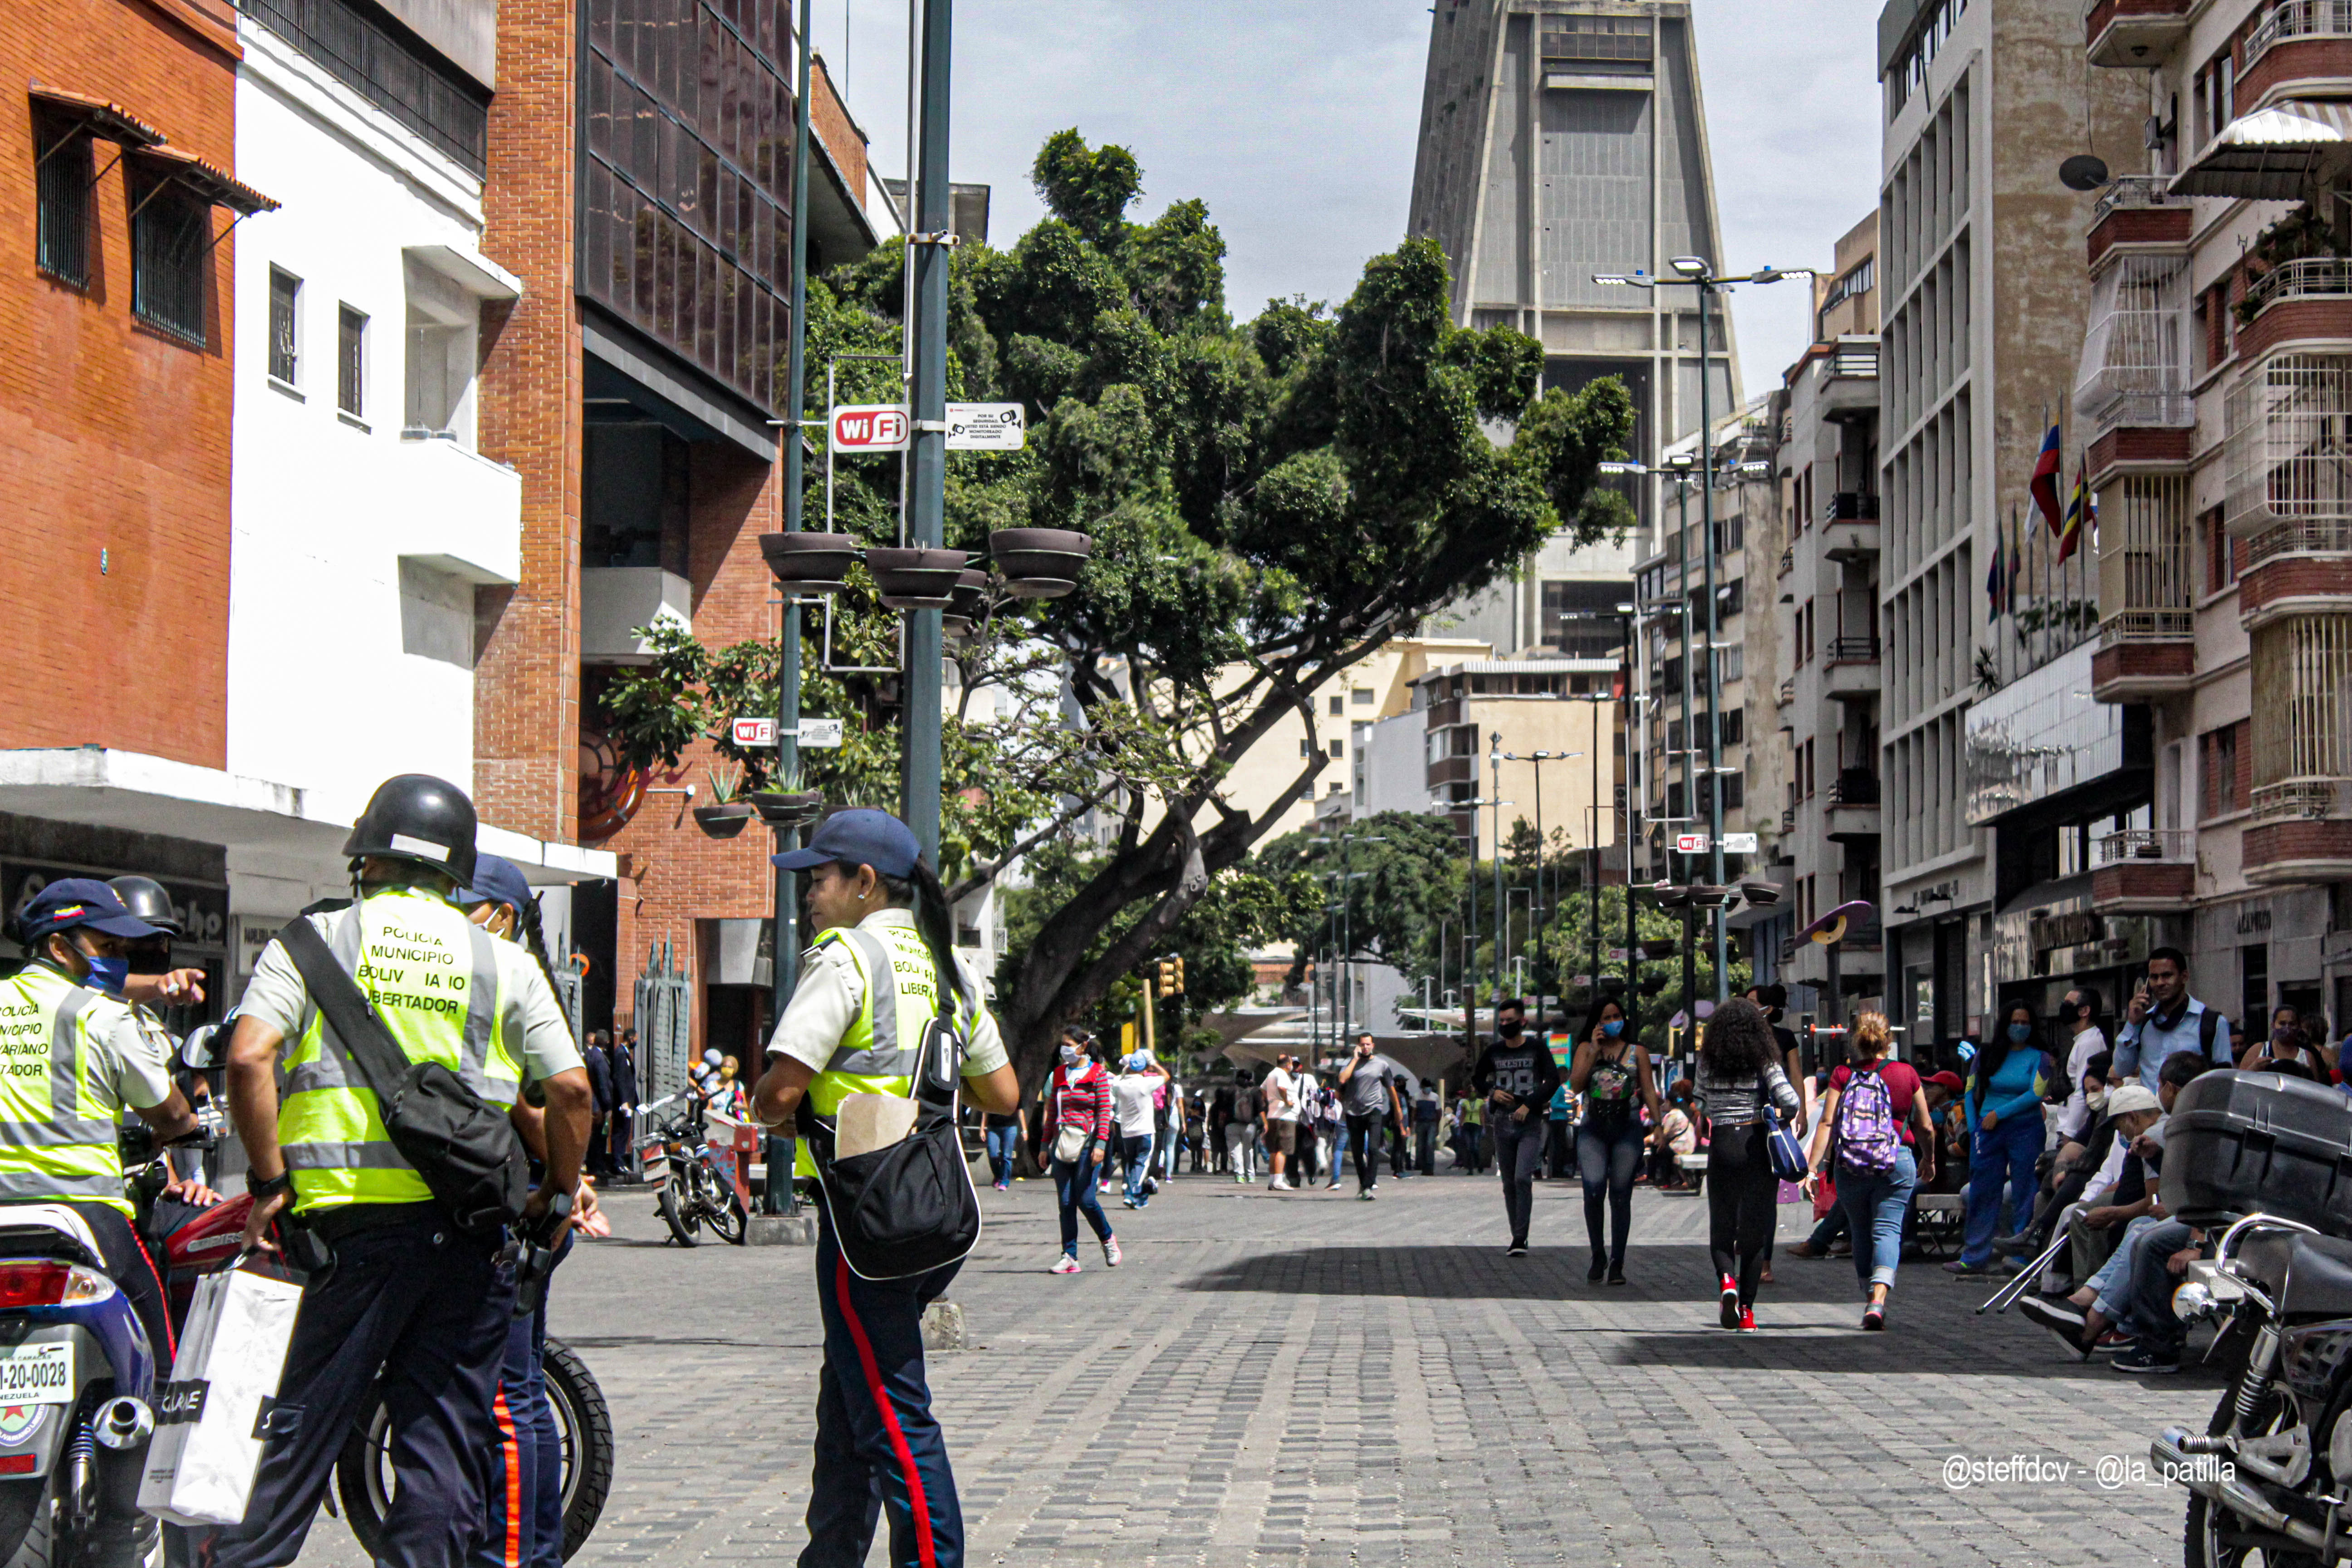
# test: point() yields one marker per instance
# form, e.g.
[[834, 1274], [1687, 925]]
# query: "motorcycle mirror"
[[196, 1052]]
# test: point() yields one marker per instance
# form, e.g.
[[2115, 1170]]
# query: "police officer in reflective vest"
[[76, 1058], [867, 993], [409, 1292]]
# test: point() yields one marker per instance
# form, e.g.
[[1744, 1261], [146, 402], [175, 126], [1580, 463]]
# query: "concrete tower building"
[[1561, 138]]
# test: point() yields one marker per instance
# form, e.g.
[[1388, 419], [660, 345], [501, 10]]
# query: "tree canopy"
[[1270, 504]]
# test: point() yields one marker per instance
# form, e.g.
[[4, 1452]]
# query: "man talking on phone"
[[2162, 1018]]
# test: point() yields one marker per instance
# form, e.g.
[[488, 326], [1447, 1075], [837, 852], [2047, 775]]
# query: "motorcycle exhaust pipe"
[[123, 1423]]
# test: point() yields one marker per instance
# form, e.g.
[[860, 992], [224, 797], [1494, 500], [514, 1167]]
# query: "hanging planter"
[[969, 603], [915, 579], [1040, 563], [787, 808], [813, 562], [723, 821]]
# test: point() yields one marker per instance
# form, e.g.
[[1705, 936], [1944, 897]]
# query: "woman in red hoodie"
[[1075, 1138]]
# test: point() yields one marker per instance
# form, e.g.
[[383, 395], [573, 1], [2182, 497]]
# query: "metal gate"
[[567, 996], [665, 1023]]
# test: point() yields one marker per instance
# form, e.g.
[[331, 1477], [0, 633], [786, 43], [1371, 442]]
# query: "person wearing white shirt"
[[1281, 1118], [1131, 1094], [2079, 1011]]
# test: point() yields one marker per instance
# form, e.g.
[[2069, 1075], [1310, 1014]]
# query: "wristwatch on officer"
[[264, 1189]]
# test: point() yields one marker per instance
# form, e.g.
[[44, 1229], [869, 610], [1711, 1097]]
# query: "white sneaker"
[[1279, 1184], [1065, 1264], [1110, 1252]]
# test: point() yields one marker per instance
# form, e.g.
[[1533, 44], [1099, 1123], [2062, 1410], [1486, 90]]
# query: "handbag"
[[910, 1207], [464, 1147], [1070, 1142], [1783, 1146], [214, 1415]]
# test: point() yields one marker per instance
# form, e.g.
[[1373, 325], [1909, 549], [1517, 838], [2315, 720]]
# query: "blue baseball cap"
[[73, 902], [859, 837], [496, 881]]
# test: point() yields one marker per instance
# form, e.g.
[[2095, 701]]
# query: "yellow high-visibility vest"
[[877, 1055], [433, 977], [58, 1118]]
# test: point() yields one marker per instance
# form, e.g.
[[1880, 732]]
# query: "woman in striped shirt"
[[1075, 1139]]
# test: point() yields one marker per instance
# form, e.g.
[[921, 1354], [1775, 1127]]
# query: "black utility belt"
[[334, 1223]]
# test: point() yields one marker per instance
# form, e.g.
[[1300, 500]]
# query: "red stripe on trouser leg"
[[163, 1294], [915, 1498], [511, 1451]]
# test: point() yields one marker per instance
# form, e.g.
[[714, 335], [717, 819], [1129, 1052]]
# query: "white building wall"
[[356, 551]]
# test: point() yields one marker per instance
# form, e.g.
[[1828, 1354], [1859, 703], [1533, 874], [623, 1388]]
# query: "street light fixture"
[[1694, 271]]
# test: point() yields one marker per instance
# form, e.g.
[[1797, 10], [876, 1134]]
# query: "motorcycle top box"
[[2258, 1143]]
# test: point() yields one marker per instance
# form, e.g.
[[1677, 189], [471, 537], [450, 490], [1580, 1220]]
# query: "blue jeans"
[[1074, 1185], [878, 1445], [2111, 1285], [1874, 1203], [2003, 1156], [1004, 1143], [1135, 1154], [1607, 1163]]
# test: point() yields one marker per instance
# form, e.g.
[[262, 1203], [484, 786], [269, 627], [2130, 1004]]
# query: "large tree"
[[1270, 504]]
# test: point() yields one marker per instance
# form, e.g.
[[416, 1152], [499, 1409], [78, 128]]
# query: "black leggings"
[[1741, 1206]]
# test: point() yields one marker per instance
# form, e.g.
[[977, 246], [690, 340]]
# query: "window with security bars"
[[393, 72], [2301, 668], [171, 246], [61, 202], [351, 362], [1597, 39], [2146, 586], [285, 291], [2289, 445]]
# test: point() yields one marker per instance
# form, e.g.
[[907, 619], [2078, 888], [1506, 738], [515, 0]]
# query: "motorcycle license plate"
[[37, 1374]]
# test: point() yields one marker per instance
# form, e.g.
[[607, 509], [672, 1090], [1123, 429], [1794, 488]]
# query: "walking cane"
[[2000, 1299]]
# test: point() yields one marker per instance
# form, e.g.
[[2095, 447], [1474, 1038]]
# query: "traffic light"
[[1166, 973], [1180, 975]]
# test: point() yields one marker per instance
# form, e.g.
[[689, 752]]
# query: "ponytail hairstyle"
[[920, 891], [532, 935]]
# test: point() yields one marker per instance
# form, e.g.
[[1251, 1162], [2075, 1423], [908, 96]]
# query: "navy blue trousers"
[[427, 1306], [523, 1491], [878, 1443]]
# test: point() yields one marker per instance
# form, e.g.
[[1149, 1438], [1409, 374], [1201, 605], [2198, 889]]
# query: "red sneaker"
[[1729, 1315], [1748, 1319]]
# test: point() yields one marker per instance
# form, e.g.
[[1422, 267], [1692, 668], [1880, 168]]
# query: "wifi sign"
[[869, 427]]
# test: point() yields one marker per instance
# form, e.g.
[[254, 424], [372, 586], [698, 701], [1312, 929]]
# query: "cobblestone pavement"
[[1305, 1378]]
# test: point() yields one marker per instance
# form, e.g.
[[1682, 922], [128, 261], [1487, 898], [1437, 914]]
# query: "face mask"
[[106, 974], [1612, 1027], [1510, 1029], [1073, 1058], [2019, 1033], [2097, 1099]]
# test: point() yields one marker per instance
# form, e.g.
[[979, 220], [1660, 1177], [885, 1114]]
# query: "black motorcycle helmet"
[[421, 819], [145, 897]]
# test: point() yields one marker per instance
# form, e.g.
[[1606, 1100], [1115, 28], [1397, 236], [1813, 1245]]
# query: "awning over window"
[[2270, 155], [209, 184], [110, 120]]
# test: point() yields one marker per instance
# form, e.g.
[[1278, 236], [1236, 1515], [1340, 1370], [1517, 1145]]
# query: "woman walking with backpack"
[[1745, 1086], [1875, 1130]]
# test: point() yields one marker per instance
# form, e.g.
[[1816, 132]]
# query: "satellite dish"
[[2082, 173]]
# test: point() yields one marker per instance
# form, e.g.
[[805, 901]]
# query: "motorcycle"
[[689, 1190], [2269, 1479]]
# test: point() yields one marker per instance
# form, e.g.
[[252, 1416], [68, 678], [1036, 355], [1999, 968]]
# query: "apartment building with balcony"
[[1826, 609], [1981, 298], [2219, 337]]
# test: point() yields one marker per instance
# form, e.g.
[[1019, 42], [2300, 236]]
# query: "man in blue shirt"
[[2162, 1018]]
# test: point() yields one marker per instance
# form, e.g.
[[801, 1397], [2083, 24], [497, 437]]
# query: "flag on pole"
[[1992, 585], [2078, 508], [2045, 486], [2016, 560]]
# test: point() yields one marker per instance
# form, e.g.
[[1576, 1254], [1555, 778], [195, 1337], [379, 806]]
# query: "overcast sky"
[[1294, 120]]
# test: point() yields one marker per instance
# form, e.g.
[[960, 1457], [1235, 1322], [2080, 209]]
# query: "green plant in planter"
[[726, 783], [2301, 235]]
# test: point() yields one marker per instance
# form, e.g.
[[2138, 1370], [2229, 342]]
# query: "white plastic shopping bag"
[[210, 1417]]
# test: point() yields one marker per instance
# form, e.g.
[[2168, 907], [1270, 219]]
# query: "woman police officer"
[[882, 949]]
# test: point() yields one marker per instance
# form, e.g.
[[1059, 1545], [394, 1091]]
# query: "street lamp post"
[[1494, 770], [1694, 272], [928, 255]]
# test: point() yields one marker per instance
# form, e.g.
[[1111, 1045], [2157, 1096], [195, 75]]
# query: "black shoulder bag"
[[910, 1207], [462, 1145]]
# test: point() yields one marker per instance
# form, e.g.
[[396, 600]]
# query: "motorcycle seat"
[[48, 1230]]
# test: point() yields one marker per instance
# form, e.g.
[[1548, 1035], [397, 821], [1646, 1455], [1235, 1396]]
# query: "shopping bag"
[[212, 1416]]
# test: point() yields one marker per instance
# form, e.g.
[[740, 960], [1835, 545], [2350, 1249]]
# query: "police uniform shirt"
[[831, 992], [130, 1068], [276, 996]]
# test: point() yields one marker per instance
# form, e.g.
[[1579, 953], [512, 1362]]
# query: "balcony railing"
[[1853, 651], [2312, 536], [1855, 786], [2298, 19], [1856, 358], [2147, 625], [1787, 692], [2307, 278], [2172, 845], [2309, 798], [1848, 506], [2285, 444], [2130, 191], [1788, 562], [1789, 822]]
